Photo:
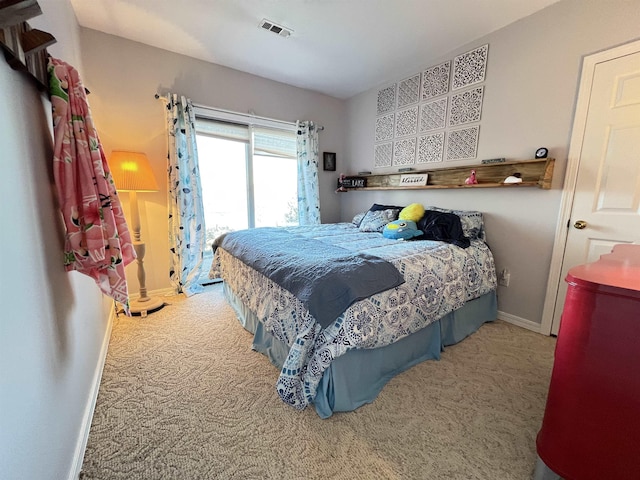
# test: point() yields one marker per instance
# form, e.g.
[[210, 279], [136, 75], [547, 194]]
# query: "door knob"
[[580, 224]]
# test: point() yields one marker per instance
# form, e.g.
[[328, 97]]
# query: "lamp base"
[[148, 305]]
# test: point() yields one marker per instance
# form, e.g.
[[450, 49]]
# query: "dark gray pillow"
[[375, 207]]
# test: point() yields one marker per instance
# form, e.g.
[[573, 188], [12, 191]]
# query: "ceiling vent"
[[275, 28]]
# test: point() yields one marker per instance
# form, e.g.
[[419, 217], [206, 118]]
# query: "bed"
[[338, 360]]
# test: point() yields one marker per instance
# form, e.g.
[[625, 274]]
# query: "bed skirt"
[[358, 376]]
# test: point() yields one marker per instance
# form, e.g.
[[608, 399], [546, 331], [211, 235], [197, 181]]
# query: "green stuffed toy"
[[413, 212], [401, 230]]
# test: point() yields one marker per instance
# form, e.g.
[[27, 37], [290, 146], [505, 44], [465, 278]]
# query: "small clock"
[[542, 152]]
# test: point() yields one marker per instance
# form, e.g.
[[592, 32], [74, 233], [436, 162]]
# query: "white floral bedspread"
[[439, 278]]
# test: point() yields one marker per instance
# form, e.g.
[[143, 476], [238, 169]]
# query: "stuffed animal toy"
[[471, 179], [401, 230], [413, 212]]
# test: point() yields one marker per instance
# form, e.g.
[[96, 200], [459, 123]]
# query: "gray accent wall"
[[530, 93]]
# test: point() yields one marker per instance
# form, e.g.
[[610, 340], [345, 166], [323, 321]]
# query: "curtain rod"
[[251, 115]]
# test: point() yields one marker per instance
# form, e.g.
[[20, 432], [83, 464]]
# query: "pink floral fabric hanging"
[[97, 239]]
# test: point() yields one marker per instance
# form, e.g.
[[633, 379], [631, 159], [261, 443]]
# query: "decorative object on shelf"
[[355, 182], [132, 173], [345, 182], [405, 169], [542, 152], [489, 161], [341, 188], [471, 179], [329, 161], [470, 67], [414, 180], [515, 178]]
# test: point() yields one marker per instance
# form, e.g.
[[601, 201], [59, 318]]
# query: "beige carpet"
[[183, 396]]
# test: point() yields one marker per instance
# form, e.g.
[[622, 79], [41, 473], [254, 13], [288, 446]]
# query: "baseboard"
[[83, 438], [519, 322]]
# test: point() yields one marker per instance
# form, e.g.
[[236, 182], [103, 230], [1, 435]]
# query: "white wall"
[[53, 323], [530, 92], [123, 77]]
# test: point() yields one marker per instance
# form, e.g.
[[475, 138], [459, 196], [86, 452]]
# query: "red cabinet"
[[591, 426]]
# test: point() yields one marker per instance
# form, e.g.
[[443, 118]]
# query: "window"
[[248, 174]]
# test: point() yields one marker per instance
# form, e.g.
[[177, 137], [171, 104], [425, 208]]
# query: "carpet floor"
[[183, 396]]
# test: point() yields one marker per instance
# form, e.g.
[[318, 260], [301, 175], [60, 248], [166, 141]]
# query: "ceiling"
[[338, 47]]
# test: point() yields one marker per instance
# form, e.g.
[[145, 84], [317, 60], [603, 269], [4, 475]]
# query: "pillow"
[[375, 207], [376, 220], [357, 220], [472, 222]]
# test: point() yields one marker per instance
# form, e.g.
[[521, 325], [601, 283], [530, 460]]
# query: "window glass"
[[242, 188]]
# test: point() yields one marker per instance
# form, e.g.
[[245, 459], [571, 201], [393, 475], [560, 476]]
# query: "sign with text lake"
[[352, 182]]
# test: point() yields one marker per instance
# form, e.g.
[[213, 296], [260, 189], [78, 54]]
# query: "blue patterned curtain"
[[186, 213], [308, 187]]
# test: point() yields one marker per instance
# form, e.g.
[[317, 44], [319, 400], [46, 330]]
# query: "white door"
[[606, 143]]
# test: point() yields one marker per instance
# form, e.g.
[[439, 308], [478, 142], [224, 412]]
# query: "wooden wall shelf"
[[24, 47], [534, 173]]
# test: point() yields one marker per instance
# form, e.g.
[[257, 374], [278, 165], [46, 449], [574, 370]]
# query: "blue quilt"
[[326, 278]]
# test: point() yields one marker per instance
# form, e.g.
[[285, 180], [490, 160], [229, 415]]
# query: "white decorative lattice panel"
[[466, 107], [404, 151], [430, 148], [463, 143], [384, 127], [386, 100], [433, 115], [382, 155], [407, 122], [470, 67], [409, 91], [435, 80]]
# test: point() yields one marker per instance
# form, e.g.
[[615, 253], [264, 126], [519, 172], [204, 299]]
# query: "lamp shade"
[[131, 171]]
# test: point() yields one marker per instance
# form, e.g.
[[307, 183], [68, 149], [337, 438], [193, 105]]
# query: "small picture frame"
[[329, 161]]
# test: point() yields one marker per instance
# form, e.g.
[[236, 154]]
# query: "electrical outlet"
[[504, 278]]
